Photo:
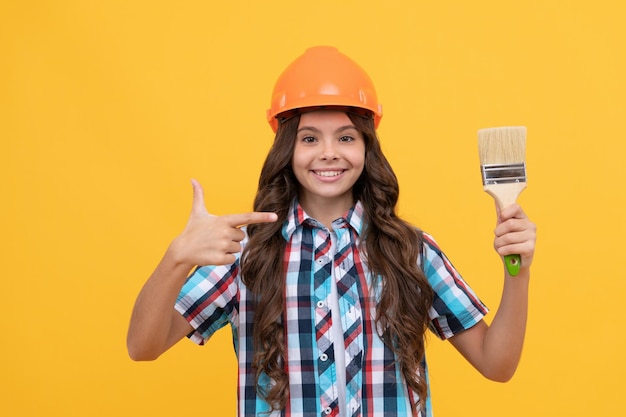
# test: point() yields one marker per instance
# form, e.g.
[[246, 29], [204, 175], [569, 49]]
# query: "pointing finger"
[[235, 220]]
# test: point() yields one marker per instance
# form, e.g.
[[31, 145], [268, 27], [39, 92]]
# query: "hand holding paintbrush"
[[502, 159]]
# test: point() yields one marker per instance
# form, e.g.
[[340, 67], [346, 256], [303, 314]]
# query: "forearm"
[[151, 330], [504, 339]]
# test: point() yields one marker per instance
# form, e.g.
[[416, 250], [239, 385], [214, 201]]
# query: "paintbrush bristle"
[[502, 145]]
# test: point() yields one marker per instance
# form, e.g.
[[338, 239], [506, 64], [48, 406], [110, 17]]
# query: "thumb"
[[197, 206]]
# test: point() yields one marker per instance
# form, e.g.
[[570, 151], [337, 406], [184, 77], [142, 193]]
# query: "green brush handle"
[[513, 264]]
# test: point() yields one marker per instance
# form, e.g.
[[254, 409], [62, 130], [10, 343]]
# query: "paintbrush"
[[502, 163]]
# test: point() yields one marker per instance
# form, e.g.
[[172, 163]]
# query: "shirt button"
[[324, 358], [328, 410], [321, 304]]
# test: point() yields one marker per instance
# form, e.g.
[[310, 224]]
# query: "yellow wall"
[[108, 108]]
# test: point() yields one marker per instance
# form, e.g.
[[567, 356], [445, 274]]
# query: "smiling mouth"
[[328, 173]]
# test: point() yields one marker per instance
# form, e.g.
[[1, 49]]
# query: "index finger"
[[514, 211], [254, 217]]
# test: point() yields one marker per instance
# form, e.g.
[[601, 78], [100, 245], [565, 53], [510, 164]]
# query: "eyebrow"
[[315, 129]]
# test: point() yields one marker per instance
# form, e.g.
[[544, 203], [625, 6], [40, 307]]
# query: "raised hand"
[[515, 234], [209, 239]]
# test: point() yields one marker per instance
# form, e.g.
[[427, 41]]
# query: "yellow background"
[[108, 108]]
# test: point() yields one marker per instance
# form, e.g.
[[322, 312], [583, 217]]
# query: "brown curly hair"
[[406, 296]]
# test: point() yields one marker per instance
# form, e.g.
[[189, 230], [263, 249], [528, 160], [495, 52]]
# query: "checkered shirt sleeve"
[[455, 306], [209, 299]]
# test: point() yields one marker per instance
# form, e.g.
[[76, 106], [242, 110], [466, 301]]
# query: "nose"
[[329, 151]]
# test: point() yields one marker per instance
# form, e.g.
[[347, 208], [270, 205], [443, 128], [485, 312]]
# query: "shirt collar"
[[298, 217]]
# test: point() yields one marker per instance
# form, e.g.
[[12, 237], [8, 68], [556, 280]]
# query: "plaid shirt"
[[214, 296]]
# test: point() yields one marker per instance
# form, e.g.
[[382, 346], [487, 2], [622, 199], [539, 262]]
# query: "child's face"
[[328, 158]]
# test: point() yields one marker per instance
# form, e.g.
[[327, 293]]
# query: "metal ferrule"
[[503, 174]]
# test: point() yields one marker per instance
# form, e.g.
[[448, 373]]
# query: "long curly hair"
[[391, 250]]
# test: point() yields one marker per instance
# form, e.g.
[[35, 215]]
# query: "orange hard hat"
[[321, 77]]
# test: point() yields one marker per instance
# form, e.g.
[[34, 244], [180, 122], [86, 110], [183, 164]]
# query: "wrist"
[[523, 276], [175, 255]]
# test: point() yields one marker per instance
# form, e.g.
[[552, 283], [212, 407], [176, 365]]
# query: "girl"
[[328, 293]]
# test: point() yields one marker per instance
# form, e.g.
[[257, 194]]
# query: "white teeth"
[[328, 173]]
